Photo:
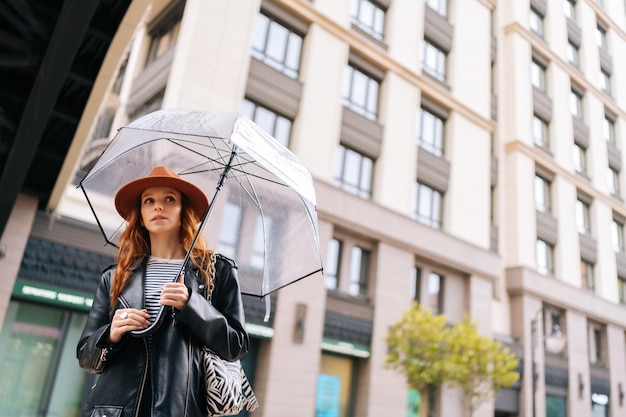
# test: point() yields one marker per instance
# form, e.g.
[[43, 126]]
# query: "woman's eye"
[[170, 199], [147, 201]]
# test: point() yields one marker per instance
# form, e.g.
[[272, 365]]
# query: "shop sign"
[[345, 348], [51, 295]]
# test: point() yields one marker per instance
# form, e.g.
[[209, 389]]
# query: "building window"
[[621, 288], [271, 122], [605, 81], [556, 405], [430, 136], [353, 172], [538, 75], [582, 217], [359, 271], [348, 266], [613, 182], [164, 36], [38, 362], [440, 6], [599, 404], [434, 293], [580, 159], [416, 284], [277, 45], [154, 103], [608, 130], [360, 92], [617, 236], [601, 37], [428, 207], [587, 278], [576, 104], [369, 17], [573, 54], [434, 61], [535, 22], [336, 385], [569, 8], [540, 133], [229, 230], [544, 254], [543, 200], [596, 344], [333, 263]]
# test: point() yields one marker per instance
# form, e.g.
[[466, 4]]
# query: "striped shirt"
[[159, 271]]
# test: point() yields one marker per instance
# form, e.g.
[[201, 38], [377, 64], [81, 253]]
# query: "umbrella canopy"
[[263, 209]]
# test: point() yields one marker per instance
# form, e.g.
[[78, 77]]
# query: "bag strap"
[[211, 283]]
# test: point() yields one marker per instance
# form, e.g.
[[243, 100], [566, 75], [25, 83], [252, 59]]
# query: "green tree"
[[430, 352]]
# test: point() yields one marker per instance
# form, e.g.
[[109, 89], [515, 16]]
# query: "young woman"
[[159, 375]]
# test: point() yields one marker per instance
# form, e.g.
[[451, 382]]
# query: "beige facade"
[[498, 248]]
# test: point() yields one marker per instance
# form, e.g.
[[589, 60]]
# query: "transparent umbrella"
[[263, 209]]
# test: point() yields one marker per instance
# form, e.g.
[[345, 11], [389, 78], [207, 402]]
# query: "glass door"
[[34, 349]]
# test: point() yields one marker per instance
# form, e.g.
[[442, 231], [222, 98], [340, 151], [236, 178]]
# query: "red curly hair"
[[135, 243]]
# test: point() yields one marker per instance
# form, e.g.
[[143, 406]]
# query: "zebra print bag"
[[227, 388], [228, 391]]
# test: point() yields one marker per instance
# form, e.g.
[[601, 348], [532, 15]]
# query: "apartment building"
[[466, 154]]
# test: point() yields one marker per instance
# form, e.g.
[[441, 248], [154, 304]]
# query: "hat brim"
[[126, 198]]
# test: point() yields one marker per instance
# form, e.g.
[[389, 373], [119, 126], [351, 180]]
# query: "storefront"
[[44, 321]]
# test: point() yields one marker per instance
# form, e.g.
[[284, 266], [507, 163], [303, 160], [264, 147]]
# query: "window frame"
[[435, 144], [576, 104], [617, 236], [608, 130], [370, 28], [439, 69], [345, 274], [439, 6], [621, 290], [332, 269], [548, 268], [583, 216], [601, 34], [538, 74], [251, 109], [573, 53], [434, 217], [613, 182], [536, 17], [579, 157], [168, 26], [367, 109], [587, 276], [545, 193], [605, 81], [263, 46], [540, 130], [569, 9], [342, 172]]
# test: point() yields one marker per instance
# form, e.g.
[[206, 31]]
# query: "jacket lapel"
[[133, 294]]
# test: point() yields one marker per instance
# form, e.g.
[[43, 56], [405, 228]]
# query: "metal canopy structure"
[[50, 54]]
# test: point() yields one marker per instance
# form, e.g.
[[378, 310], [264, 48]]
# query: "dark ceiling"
[[50, 55]]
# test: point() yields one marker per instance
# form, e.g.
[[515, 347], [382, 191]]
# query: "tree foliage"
[[430, 352]]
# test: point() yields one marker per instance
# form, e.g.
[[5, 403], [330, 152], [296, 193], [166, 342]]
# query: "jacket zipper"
[[145, 370], [143, 381]]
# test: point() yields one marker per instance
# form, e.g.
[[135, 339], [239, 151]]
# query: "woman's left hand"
[[175, 294]]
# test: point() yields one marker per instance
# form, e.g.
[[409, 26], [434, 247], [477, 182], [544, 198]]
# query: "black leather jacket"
[[174, 379]]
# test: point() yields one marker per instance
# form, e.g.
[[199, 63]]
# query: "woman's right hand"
[[126, 320]]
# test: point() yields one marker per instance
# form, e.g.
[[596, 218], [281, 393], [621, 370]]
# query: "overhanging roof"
[[51, 53]]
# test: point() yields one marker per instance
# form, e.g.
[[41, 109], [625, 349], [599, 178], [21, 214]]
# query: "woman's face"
[[160, 210]]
